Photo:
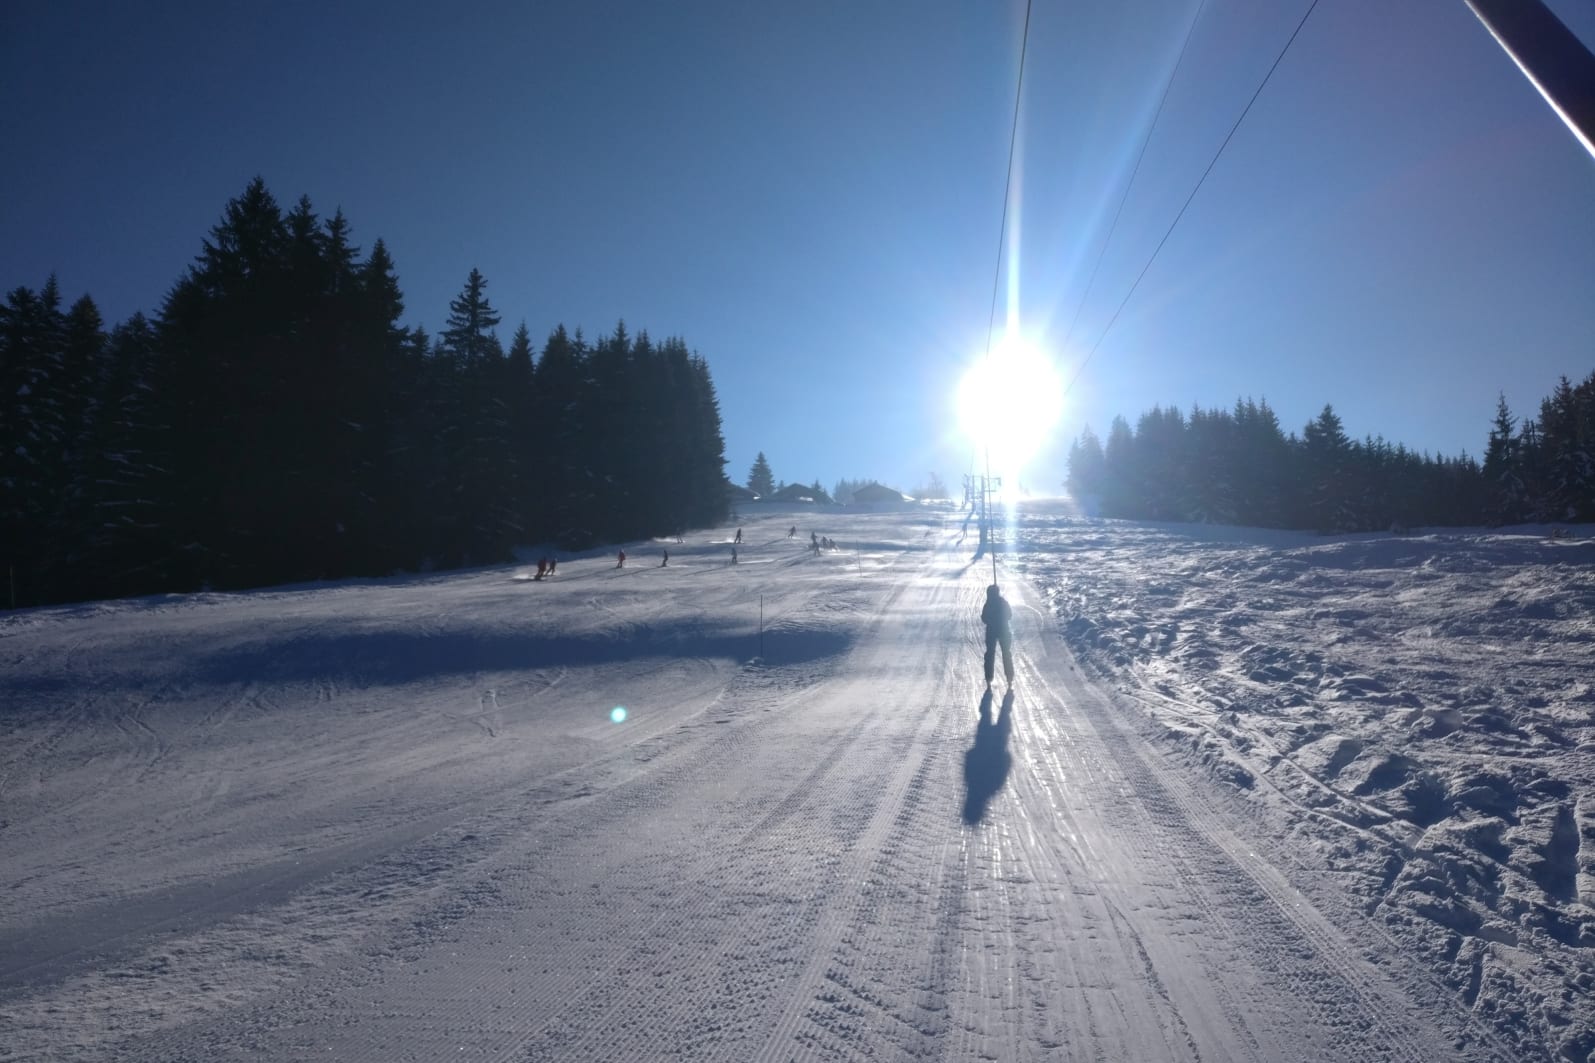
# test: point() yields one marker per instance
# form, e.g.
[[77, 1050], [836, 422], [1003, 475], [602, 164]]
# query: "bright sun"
[[1008, 404]]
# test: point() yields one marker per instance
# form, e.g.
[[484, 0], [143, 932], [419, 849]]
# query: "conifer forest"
[[1240, 467], [274, 422]]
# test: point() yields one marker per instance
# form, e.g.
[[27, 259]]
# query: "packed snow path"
[[399, 820]]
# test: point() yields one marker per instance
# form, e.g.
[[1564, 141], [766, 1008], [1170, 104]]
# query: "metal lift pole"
[[1554, 60]]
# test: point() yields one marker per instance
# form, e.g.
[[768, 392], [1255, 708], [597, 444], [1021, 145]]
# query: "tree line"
[[1240, 467], [274, 422], [761, 481]]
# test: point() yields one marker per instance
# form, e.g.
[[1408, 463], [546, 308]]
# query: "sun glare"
[[1008, 404]]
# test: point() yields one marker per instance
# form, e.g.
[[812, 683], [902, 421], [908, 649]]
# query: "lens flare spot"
[[617, 714]]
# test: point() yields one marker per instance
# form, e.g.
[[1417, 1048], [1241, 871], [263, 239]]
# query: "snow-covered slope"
[[1303, 798], [1414, 716]]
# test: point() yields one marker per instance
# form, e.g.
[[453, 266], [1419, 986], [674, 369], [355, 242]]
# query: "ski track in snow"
[[1254, 796]]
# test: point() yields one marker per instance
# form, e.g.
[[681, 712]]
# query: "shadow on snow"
[[399, 657], [986, 763]]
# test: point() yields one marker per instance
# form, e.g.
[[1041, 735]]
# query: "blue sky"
[[810, 195]]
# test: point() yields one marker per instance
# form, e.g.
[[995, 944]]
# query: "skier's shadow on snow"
[[986, 763]]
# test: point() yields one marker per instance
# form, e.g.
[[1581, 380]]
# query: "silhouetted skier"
[[793, 533], [553, 562], [622, 562], [666, 561], [998, 618], [738, 539]]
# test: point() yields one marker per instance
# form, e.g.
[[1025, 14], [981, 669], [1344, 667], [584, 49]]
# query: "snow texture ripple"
[[1253, 796]]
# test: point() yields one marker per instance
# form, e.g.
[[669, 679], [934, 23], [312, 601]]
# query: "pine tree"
[[1582, 494], [476, 420], [676, 461], [1502, 468], [381, 369], [471, 321], [1531, 459], [760, 481], [708, 503], [1327, 455], [559, 401], [657, 466], [323, 394], [129, 541], [225, 327], [78, 399], [1210, 453], [1119, 473], [518, 369], [1267, 482], [417, 454], [1086, 470], [1567, 428], [32, 435], [845, 488], [614, 437], [1159, 459]]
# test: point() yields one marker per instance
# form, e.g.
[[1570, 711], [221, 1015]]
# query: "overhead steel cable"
[[996, 280], [1007, 188], [1113, 226], [1247, 110]]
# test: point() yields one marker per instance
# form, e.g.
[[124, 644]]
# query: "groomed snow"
[[1254, 796]]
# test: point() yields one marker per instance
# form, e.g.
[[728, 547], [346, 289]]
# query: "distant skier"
[[998, 618], [793, 533], [621, 563], [738, 539], [666, 560], [733, 555], [551, 563], [542, 567]]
